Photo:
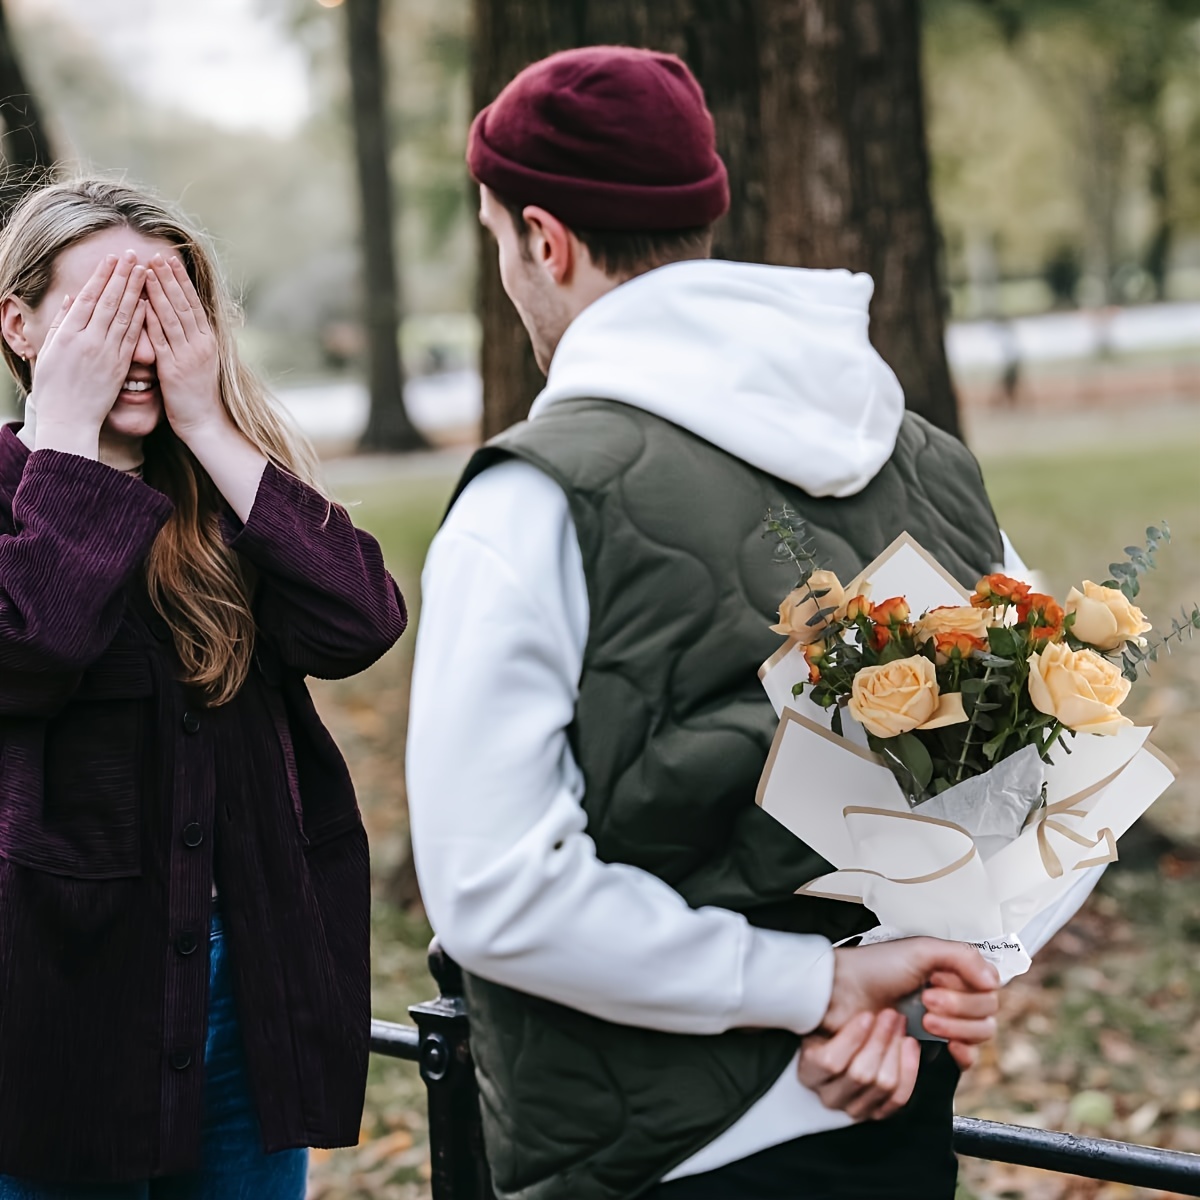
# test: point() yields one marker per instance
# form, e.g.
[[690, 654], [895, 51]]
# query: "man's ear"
[[14, 317], [550, 244]]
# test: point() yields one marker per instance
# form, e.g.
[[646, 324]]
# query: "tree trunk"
[[1158, 253], [819, 113], [27, 151], [847, 173], [388, 427]]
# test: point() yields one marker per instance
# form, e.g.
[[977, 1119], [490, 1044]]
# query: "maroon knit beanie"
[[605, 138]]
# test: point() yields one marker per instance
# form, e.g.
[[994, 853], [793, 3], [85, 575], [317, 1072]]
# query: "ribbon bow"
[[1047, 819]]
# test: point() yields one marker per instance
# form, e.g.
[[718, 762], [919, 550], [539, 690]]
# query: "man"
[[587, 729]]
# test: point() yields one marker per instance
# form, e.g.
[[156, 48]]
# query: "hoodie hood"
[[771, 364]]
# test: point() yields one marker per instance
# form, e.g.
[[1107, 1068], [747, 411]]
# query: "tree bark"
[[819, 113], [846, 173], [388, 426], [28, 153]]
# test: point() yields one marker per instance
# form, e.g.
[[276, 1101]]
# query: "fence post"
[[456, 1152]]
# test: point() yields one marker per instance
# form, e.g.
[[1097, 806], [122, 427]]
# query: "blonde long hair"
[[199, 586]]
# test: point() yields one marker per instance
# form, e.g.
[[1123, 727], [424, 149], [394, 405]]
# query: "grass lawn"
[[1103, 1036]]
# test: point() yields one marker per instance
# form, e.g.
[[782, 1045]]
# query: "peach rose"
[[1080, 688], [972, 621], [1104, 618], [799, 607], [900, 696]]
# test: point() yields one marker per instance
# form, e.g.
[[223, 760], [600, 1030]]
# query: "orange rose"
[[947, 645], [992, 591], [890, 618], [1043, 614], [890, 612], [855, 607], [814, 654]]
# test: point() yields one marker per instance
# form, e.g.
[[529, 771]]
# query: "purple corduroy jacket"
[[122, 799]]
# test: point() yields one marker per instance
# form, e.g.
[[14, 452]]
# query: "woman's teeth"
[[137, 385]]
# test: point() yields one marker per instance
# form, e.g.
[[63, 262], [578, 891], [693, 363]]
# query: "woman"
[[168, 576]]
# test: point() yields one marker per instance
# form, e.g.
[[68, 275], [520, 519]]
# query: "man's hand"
[[867, 1069], [961, 989], [860, 1061]]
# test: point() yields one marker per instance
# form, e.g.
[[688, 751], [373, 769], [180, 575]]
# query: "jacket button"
[[193, 835], [181, 1059], [187, 942], [191, 723]]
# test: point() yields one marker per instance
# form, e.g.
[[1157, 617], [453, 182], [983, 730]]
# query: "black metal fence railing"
[[440, 1045]]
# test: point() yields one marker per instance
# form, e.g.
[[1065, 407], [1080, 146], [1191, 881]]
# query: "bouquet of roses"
[[936, 726]]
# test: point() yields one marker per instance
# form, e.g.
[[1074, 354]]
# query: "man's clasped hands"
[[860, 1059]]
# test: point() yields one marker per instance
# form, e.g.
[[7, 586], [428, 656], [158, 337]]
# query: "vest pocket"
[[71, 787]]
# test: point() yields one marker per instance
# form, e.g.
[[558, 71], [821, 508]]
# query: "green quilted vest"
[[671, 733]]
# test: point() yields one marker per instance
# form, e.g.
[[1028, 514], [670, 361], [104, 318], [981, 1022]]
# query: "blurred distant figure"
[[1008, 384]]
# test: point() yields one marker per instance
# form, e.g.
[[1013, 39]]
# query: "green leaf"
[[993, 746], [1002, 641], [972, 687], [994, 660], [891, 652], [911, 752]]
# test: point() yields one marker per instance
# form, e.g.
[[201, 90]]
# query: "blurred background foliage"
[[1065, 139]]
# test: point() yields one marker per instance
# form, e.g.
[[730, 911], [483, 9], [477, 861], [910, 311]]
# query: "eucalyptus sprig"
[[1135, 658], [1138, 561], [791, 544]]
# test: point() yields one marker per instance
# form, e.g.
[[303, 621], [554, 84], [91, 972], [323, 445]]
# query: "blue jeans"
[[234, 1166]]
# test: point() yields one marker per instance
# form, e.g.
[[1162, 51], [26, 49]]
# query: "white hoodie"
[[773, 365]]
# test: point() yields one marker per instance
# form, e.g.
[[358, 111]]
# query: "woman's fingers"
[[85, 303], [133, 330], [155, 331], [160, 304], [175, 295], [56, 324], [130, 299], [109, 303], [179, 271]]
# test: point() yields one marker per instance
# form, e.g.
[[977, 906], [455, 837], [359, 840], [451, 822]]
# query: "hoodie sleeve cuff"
[[787, 981]]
